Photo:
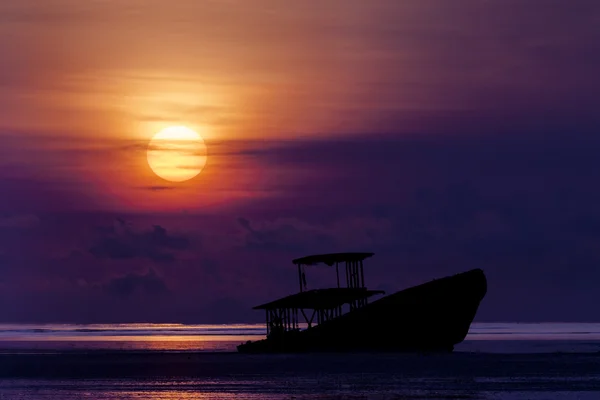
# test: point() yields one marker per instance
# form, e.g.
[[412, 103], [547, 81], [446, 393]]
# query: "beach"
[[557, 367]]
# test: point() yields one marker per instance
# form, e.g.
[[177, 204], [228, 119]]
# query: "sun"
[[177, 154]]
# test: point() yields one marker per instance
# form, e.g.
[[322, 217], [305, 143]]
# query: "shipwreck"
[[431, 317]]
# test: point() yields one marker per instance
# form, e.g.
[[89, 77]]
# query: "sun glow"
[[177, 154]]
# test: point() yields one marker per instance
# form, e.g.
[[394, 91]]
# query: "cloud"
[[158, 188], [284, 235], [148, 284], [525, 208], [19, 221], [300, 237], [121, 241]]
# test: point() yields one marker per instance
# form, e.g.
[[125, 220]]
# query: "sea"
[[176, 361]]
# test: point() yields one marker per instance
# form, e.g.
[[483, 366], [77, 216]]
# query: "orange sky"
[[231, 68], [91, 84]]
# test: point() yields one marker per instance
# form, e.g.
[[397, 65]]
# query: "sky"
[[442, 136]]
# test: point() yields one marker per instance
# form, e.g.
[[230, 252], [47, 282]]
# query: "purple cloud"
[[149, 284], [120, 241]]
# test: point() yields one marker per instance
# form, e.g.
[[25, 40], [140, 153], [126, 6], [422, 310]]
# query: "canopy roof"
[[320, 298], [332, 258]]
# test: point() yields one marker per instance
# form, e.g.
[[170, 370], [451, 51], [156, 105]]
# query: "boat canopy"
[[326, 304], [320, 299], [332, 258]]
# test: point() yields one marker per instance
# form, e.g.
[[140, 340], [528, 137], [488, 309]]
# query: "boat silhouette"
[[431, 317]]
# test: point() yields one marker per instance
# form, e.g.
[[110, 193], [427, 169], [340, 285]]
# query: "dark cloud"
[[148, 284], [158, 188], [121, 241], [524, 208], [23, 195], [19, 221], [377, 171], [282, 235]]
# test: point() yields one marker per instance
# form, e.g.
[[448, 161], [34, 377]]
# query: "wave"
[[27, 330], [478, 331]]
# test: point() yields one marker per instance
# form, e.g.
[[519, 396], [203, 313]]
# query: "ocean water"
[[156, 337], [482, 337], [172, 361]]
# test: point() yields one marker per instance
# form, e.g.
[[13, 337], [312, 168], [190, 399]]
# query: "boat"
[[431, 317]]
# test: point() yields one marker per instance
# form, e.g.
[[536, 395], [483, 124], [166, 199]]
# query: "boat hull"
[[432, 317]]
